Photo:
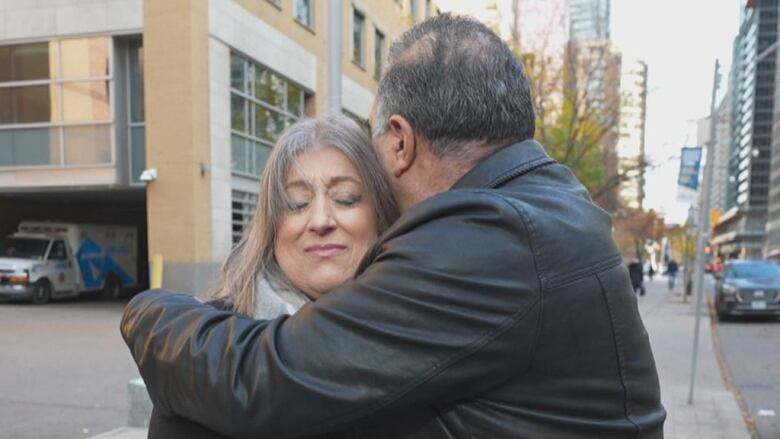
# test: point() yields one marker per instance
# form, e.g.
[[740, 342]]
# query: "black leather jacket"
[[498, 309]]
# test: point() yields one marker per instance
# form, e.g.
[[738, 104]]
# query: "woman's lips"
[[325, 250]]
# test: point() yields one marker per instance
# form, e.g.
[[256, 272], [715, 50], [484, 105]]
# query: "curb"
[[728, 378]]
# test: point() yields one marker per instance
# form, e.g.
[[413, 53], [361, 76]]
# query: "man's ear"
[[405, 144]]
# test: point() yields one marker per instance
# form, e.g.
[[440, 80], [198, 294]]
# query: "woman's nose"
[[322, 221]]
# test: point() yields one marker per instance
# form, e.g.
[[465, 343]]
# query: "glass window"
[[58, 252], [84, 57], [379, 53], [261, 154], [238, 113], [29, 104], [294, 99], [30, 147], [259, 120], [303, 12], [25, 62], [358, 24], [137, 113], [413, 9], [24, 248], [137, 152], [237, 73], [86, 101], [89, 144], [269, 88], [238, 154]]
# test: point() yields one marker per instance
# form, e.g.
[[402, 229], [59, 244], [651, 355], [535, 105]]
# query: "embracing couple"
[[450, 281]]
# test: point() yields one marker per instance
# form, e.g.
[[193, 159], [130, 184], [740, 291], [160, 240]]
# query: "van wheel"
[[112, 290], [41, 292]]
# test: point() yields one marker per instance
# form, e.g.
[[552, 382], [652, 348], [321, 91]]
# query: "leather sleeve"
[[446, 306]]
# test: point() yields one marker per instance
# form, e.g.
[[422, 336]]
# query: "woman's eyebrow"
[[302, 184], [343, 179]]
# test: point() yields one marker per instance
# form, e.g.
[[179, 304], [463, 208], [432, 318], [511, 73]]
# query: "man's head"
[[452, 93]]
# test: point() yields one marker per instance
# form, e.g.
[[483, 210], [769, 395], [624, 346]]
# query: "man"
[[637, 275], [496, 307], [671, 271]]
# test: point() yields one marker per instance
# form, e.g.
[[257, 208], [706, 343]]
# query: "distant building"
[[590, 20], [631, 141], [742, 229]]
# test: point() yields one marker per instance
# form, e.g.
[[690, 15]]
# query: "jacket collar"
[[505, 164]]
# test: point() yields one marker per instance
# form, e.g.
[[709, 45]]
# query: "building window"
[[55, 103], [379, 53], [358, 27], [303, 13], [428, 9], [277, 3], [413, 9], [137, 121], [243, 209], [263, 104]]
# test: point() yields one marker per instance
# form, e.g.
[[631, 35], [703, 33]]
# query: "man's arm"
[[448, 309]]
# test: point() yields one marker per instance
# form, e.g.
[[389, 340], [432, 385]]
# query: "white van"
[[43, 261]]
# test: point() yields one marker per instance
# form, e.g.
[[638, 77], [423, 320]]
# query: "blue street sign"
[[690, 164]]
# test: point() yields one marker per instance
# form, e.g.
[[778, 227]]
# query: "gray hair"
[[254, 254], [458, 84]]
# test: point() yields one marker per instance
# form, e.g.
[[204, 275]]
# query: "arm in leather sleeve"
[[447, 307]]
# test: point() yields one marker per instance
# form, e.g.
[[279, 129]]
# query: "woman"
[[323, 202]]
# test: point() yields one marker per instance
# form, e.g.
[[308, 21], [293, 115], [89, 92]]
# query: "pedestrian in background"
[[671, 273], [636, 273]]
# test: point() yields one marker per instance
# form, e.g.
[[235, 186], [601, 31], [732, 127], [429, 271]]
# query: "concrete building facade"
[[631, 140], [741, 231], [94, 92]]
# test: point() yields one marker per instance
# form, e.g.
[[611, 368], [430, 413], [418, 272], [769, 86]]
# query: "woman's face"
[[329, 225]]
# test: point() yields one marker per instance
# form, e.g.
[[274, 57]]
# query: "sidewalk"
[[670, 324]]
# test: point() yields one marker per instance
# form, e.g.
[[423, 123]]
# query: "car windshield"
[[755, 270], [23, 248]]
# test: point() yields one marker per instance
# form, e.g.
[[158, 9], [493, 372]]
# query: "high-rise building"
[[589, 20], [93, 93], [741, 231], [720, 153], [772, 242], [631, 140]]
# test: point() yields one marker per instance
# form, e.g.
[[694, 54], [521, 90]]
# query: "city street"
[[63, 369], [750, 348]]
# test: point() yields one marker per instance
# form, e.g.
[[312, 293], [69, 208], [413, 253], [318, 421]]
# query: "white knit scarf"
[[271, 301]]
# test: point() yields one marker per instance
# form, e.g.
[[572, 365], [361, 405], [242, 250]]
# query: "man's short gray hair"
[[458, 84]]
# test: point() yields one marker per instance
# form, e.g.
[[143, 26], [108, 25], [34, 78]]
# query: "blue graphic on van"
[[95, 264]]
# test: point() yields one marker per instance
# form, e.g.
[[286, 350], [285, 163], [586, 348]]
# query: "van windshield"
[[23, 248]]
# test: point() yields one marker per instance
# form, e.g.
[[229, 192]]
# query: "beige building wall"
[[177, 138]]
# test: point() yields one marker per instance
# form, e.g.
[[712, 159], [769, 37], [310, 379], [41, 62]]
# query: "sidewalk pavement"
[[715, 413], [669, 321]]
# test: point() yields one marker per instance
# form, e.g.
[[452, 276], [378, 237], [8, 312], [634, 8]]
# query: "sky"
[[679, 40]]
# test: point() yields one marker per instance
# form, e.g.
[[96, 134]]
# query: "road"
[[751, 348], [63, 369]]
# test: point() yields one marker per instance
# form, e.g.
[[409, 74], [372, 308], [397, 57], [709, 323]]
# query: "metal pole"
[[334, 55], [704, 228]]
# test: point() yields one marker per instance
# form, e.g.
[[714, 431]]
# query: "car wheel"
[[112, 290], [720, 312], [41, 292]]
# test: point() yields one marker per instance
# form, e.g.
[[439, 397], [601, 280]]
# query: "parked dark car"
[[748, 288]]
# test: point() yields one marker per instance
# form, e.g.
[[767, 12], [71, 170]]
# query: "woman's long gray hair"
[[254, 254]]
